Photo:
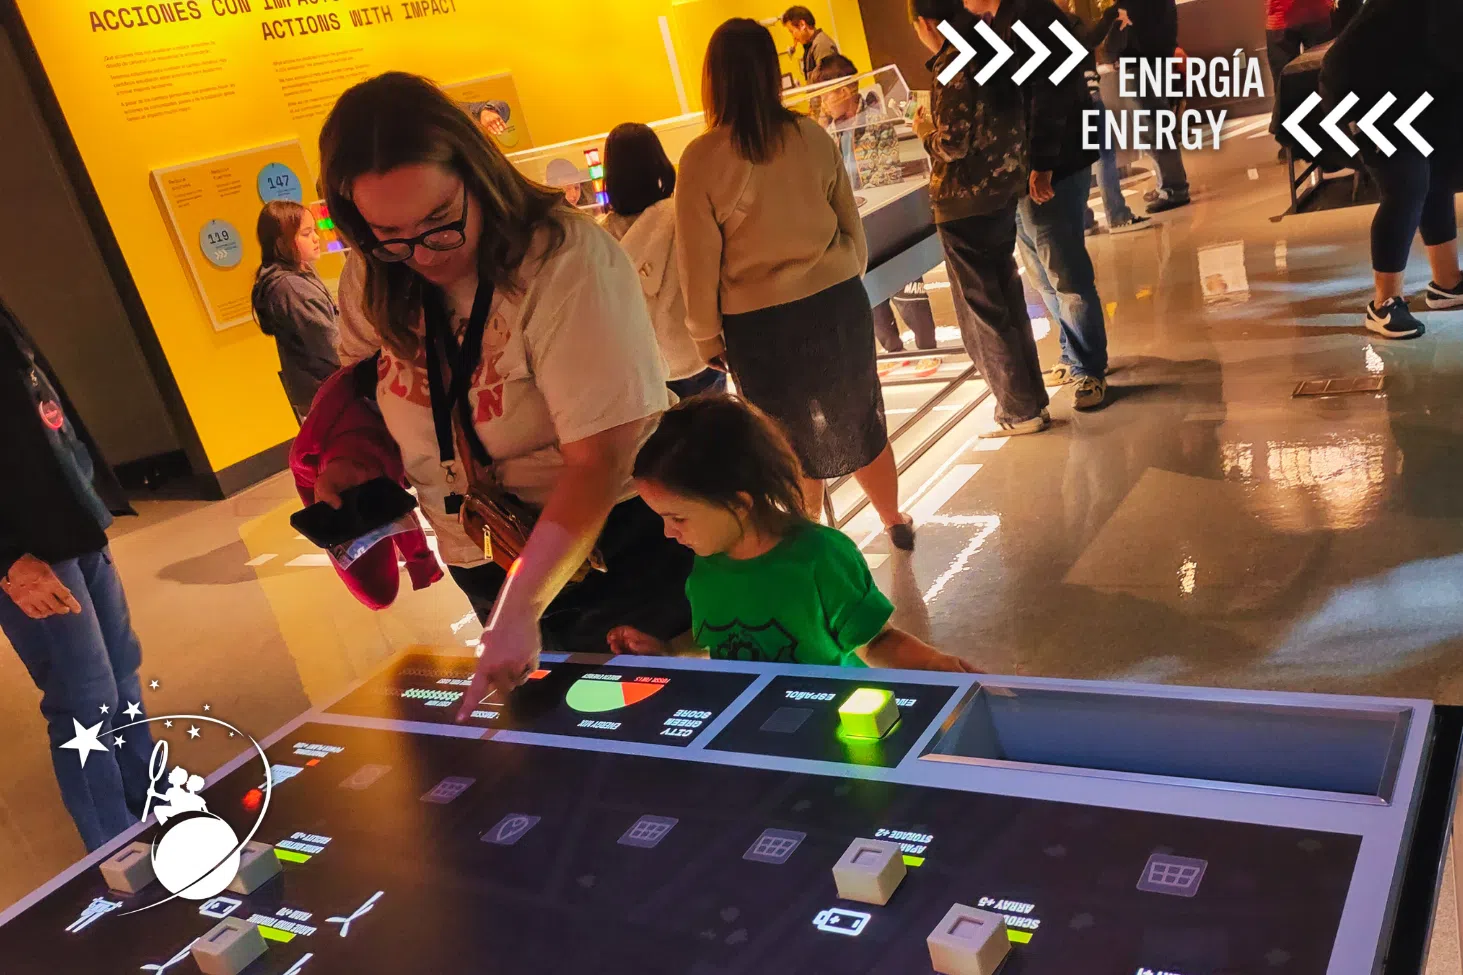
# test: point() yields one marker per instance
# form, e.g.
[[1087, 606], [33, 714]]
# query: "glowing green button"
[[868, 713]]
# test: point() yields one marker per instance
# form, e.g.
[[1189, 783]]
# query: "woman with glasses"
[[512, 328]]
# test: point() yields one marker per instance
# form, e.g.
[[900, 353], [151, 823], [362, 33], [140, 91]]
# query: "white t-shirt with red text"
[[572, 355]]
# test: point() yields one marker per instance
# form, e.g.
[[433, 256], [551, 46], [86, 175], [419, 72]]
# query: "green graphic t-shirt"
[[811, 600]]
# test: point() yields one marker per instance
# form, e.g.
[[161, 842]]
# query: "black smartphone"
[[364, 508]]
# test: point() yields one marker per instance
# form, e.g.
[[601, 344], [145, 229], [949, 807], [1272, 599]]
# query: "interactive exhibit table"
[[654, 815]]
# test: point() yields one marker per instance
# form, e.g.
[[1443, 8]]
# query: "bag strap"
[[449, 393]]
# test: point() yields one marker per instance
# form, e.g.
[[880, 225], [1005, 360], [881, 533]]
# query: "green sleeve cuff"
[[865, 620]]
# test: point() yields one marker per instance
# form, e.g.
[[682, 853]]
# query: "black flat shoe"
[[901, 536]]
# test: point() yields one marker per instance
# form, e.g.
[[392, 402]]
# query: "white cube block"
[[229, 948], [968, 942], [129, 869], [869, 871], [257, 863]]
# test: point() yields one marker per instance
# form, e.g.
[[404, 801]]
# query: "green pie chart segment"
[[593, 696]]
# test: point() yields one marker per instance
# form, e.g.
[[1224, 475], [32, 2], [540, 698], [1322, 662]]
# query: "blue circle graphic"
[[221, 244], [279, 182]]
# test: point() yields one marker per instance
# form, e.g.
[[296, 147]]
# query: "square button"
[[869, 871], [448, 789], [968, 941], [648, 831], [1175, 876], [785, 721], [774, 846]]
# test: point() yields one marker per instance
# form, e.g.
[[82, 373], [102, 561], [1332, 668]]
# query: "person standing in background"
[[1418, 191], [849, 121], [1049, 220], [976, 137], [817, 46], [1102, 37], [640, 181], [1291, 27], [1153, 35], [771, 250], [291, 303], [61, 602]]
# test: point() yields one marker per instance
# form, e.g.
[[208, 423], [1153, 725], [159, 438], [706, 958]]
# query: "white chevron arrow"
[[1003, 52], [1368, 124], [1075, 46], [1039, 53], [962, 59], [1292, 124], [1329, 126], [1404, 124]]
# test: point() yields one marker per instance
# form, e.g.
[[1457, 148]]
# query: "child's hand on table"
[[944, 661], [897, 650], [627, 639]]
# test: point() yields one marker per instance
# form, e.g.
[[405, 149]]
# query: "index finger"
[[476, 691]]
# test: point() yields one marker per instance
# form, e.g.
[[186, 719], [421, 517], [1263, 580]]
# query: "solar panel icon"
[[774, 846], [1171, 875], [648, 831]]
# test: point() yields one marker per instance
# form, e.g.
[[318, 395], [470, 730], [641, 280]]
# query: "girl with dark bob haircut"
[[641, 182], [769, 584]]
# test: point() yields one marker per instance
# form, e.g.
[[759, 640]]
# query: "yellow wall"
[[693, 21], [581, 70]]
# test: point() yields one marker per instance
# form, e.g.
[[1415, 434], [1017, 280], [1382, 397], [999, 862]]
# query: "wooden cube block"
[[968, 942], [257, 863], [229, 948], [869, 871], [129, 869]]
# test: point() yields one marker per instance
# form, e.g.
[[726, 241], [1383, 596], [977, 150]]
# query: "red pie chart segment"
[[591, 696], [635, 693]]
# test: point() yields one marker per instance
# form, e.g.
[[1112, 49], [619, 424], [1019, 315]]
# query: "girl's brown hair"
[[398, 119], [722, 450], [279, 222], [741, 86]]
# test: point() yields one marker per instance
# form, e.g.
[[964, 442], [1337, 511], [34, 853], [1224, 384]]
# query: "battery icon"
[[836, 920]]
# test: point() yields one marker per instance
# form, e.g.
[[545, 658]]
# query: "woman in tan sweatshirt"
[[771, 249]]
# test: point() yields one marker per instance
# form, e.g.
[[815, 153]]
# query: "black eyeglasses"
[[447, 237]]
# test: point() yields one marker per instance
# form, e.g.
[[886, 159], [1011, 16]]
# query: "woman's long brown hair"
[[397, 119], [741, 86], [278, 225]]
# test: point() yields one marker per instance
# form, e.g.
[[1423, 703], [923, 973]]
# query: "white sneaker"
[[1440, 298], [1019, 428], [1394, 320], [1058, 375], [1129, 226]]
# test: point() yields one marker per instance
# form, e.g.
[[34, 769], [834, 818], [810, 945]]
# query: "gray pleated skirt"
[[810, 364]]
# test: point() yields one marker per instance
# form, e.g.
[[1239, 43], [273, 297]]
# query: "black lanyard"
[[463, 359]]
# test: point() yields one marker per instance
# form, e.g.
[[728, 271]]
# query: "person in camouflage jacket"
[[978, 139], [976, 135]]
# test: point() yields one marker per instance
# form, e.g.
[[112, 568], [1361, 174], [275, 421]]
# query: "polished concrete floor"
[[1207, 527]]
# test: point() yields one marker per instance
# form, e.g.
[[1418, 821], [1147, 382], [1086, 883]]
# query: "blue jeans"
[[80, 661], [707, 380], [1109, 180], [1053, 248]]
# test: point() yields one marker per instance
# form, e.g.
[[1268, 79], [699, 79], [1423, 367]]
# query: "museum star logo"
[[195, 853]]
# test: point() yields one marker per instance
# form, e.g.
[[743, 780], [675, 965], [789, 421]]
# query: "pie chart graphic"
[[592, 696]]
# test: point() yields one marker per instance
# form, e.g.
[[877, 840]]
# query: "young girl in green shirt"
[[769, 584]]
